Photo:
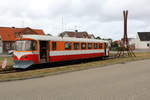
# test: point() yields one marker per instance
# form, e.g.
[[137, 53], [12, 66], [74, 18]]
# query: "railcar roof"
[[54, 38]]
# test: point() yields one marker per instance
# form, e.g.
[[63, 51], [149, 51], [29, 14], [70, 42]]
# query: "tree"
[[114, 46], [49, 34], [98, 38]]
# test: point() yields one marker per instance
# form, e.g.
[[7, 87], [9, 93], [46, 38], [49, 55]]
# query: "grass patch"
[[51, 71]]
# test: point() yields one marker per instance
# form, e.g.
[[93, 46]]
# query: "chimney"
[[76, 30]]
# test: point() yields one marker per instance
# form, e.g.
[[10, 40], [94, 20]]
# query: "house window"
[[89, 45], [83, 45], [0, 43], [76, 45], [17, 34], [68, 45], [148, 44], [54, 45]]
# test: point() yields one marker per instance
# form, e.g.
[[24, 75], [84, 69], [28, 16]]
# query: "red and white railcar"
[[37, 49]]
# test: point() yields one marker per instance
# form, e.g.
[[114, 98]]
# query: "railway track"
[[6, 71], [11, 71]]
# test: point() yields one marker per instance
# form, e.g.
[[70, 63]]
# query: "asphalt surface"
[[127, 81]]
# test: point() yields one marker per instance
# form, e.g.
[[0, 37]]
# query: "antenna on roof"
[[22, 23], [62, 24], [75, 27]]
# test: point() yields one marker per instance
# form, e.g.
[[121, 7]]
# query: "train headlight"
[[25, 57]]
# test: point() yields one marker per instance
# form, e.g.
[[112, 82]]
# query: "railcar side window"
[[54, 46], [101, 45], [89, 45], [68, 45], [33, 45], [83, 45], [76, 46], [95, 45]]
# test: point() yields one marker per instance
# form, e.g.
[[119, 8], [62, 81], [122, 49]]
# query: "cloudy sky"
[[102, 18]]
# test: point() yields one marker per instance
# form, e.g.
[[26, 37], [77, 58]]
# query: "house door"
[[1, 46], [44, 51]]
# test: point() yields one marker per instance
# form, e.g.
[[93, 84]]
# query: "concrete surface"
[[129, 81], [142, 50]]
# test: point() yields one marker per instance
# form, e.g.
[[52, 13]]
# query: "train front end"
[[25, 53]]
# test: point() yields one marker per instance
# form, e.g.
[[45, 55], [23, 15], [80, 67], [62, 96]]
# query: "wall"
[[143, 45], [139, 44], [1, 46]]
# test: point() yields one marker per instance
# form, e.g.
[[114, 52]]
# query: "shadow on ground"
[[53, 65], [66, 63]]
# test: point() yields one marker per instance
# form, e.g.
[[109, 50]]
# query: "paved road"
[[129, 81], [142, 50]]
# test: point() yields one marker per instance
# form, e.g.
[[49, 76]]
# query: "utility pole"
[[23, 23], [62, 24]]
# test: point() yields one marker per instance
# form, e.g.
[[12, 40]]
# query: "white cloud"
[[99, 17]]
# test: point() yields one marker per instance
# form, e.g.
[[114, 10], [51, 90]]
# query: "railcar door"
[[105, 49], [44, 51]]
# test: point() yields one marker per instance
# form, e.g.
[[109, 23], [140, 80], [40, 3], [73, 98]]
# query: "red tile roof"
[[10, 33]]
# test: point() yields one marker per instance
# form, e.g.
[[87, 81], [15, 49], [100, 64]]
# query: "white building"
[[142, 40]]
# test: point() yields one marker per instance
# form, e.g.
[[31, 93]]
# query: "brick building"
[[76, 34], [9, 34]]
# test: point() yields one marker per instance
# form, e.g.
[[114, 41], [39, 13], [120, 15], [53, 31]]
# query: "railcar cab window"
[[76, 46], [83, 45], [89, 45], [95, 45], [25, 45], [54, 45], [68, 45]]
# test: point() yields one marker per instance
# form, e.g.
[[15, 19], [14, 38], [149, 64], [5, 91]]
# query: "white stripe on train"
[[61, 53], [74, 52], [20, 54]]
